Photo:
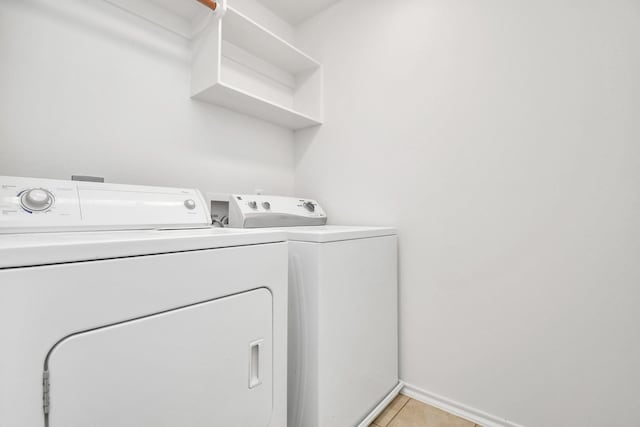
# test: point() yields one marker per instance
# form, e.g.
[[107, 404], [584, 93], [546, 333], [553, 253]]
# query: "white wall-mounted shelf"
[[239, 64], [241, 101]]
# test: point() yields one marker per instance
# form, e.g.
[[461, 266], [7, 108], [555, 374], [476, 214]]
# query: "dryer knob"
[[36, 200], [190, 204], [266, 205], [309, 206], [253, 204]]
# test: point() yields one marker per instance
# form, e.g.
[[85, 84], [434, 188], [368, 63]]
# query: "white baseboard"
[[382, 405], [463, 411]]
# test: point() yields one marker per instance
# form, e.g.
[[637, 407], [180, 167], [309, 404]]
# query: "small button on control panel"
[[309, 206], [190, 204]]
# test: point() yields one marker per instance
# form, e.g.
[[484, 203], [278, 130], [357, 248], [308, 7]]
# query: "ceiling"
[[296, 11]]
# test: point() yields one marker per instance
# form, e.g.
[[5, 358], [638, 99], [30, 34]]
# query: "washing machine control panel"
[[37, 205], [256, 211]]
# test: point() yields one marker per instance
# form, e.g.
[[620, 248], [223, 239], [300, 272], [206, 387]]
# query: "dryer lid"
[[335, 233]]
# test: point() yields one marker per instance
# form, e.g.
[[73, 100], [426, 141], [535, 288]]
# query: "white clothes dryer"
[[154, 320], [343, 311]]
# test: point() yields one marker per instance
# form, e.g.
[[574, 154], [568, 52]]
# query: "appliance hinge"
[[45, 392]]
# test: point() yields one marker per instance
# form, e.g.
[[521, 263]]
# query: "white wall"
[[503, 139], [86, 88]]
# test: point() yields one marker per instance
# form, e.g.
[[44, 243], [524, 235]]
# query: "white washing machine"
[[343, 315], [154, 320]]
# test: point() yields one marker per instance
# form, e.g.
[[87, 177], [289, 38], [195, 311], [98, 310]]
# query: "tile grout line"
[[399, 410]]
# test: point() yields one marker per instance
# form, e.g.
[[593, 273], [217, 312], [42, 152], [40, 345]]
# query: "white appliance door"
[[208, 364]]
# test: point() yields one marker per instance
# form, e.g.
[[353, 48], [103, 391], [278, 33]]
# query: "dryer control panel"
[[256, 211], [37, 205]]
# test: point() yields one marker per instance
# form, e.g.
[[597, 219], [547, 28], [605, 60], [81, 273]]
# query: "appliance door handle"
[[254, 363]]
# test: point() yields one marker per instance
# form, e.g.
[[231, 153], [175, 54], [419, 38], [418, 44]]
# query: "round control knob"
[[190, 204], [36, 200], [266, 205], [253, 204], [309, 206]]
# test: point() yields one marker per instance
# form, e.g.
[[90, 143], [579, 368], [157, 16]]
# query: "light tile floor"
[[406, 412]]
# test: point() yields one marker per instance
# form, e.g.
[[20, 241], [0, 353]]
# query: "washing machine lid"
[[334, 233], [30, 249]]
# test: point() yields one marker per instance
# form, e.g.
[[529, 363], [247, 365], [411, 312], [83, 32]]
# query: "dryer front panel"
[[208, 364]]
